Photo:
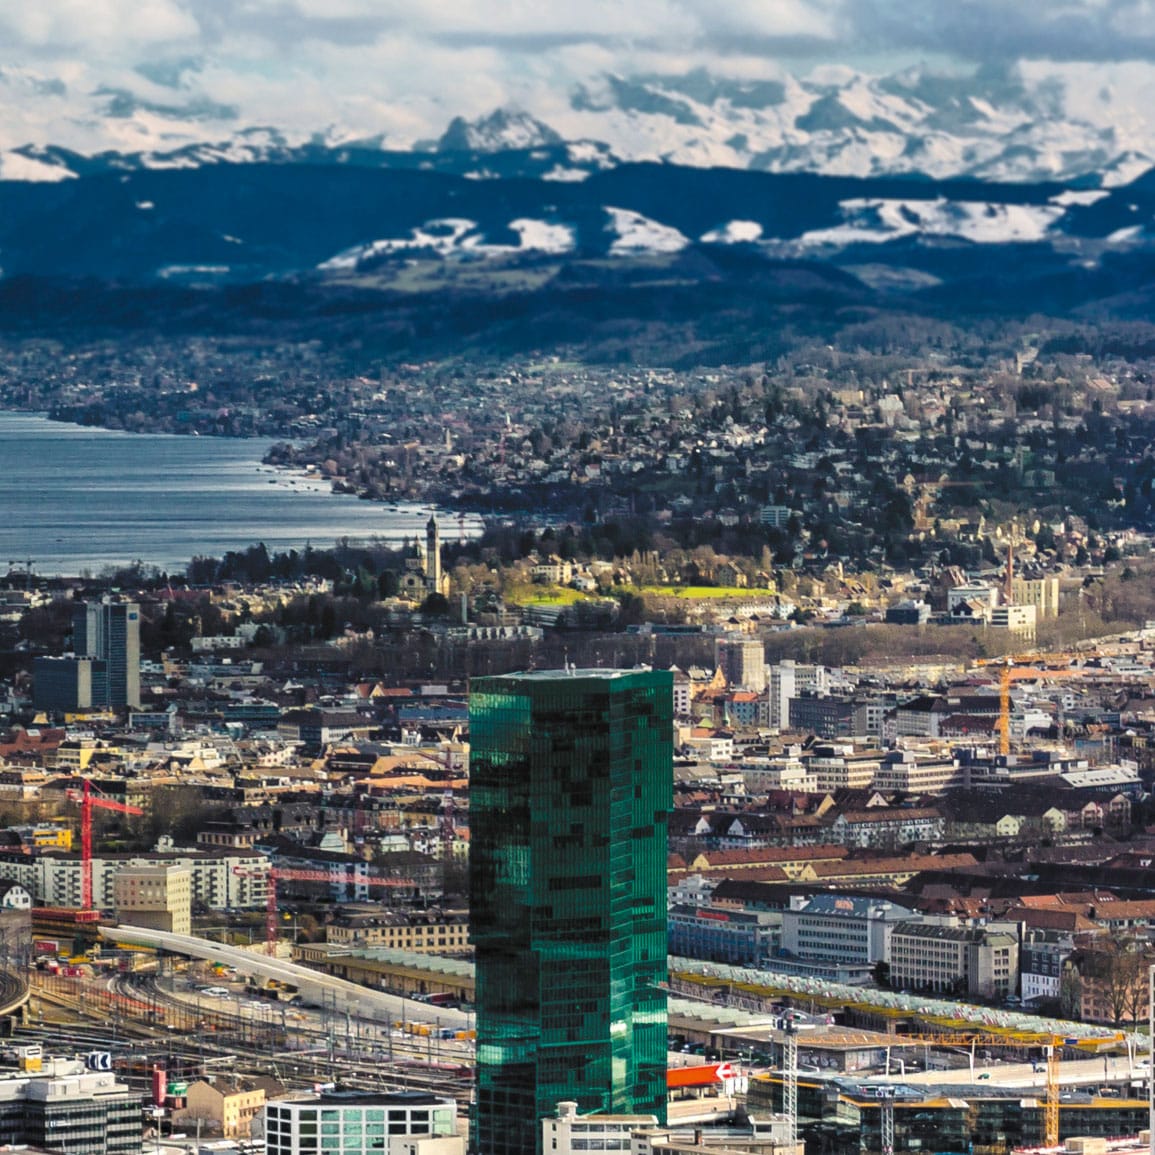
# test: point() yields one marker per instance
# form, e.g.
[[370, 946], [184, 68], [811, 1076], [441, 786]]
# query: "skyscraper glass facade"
[[111, 631], [570, 789]]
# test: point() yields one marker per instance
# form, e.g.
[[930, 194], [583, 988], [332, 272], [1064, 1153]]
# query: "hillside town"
[[904, 615]]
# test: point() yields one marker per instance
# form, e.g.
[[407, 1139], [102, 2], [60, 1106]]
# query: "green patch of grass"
[[543, 595], [702, 593]]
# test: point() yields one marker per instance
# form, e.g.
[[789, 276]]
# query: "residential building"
[[229, 1104], [783, 773], [1106, 981], [776, 516], [1041, 959], [421, 931], [941, 955], [220, 879], [157, 897], [570, 789], [840, 928], [886, 827], [398, 1123], [681, 692]]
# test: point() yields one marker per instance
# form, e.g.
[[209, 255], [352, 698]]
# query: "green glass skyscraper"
[[571, 784]]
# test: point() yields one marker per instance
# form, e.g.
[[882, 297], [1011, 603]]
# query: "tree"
[[435, 605], [1115, 967]]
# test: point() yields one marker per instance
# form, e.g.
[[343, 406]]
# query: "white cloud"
[[406, 67], [53, 26]]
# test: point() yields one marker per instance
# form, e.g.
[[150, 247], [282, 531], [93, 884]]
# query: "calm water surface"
[[74, 498]]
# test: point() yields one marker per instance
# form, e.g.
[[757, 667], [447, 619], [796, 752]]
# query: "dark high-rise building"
[[570, 787], [111, 631]]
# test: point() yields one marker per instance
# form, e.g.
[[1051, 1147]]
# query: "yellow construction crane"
[[1010, 671], [1052, 1044]]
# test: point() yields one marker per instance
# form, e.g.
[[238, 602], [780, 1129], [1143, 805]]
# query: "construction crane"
[[1051, 1044], [790, 1077], [88, 799], [1010, 671], [277, 873]]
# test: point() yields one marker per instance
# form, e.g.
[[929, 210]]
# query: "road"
[[1076, 1073], [336, 994]]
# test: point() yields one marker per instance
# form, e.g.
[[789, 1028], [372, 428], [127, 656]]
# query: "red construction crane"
[[275, 873], [88, 800]]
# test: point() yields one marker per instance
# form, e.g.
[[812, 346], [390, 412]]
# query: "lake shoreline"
[[77, 502]]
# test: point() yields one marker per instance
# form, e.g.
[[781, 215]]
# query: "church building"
[[423, 575]]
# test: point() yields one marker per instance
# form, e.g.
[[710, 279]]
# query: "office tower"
[[570, 789], [743, 662], [783, 687], [111, 631]]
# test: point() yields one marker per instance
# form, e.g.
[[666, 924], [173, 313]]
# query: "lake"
[[73, 498]]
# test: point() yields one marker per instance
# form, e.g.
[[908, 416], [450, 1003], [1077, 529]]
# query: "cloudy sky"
[[93, 72]]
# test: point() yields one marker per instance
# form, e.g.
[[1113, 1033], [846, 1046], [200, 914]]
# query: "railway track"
[[133, 1013]]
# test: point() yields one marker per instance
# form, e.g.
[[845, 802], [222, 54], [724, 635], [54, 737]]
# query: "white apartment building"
[[221, 879], [1041, 960], [781, 687]]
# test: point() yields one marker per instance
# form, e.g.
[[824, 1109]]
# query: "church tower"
[[433, 556]]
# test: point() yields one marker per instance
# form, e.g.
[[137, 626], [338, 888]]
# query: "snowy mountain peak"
[[503, 129], [1006, 123]]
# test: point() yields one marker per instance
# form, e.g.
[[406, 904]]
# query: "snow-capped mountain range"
[[1006, 124], [1002, 188]]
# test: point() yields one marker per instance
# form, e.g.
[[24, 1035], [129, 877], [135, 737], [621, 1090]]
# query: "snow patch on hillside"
[[639, 234], [542, 236], [454, 236], [734, 233], [1081, 197], [876, 220], [16, 166]]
